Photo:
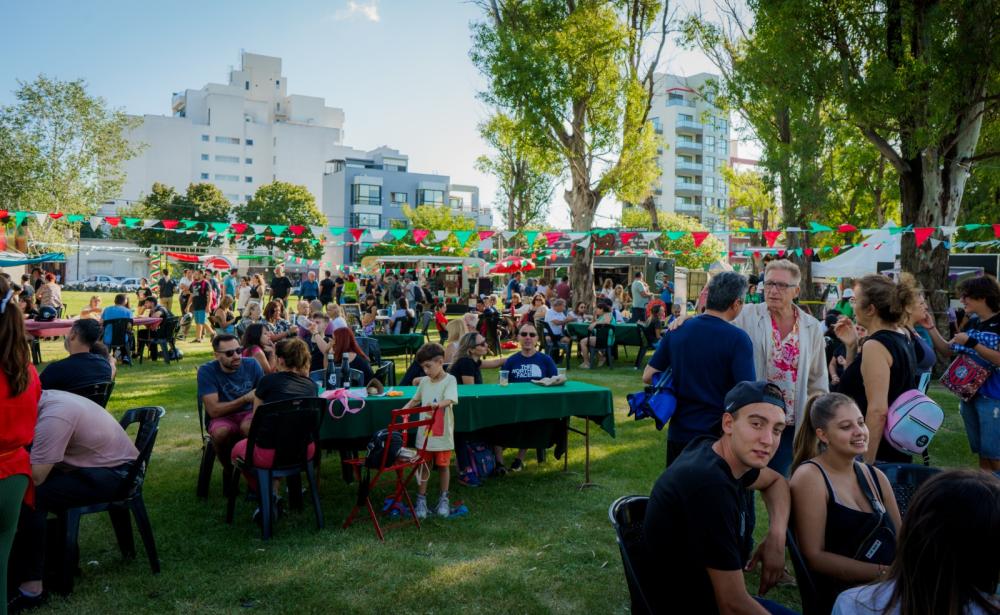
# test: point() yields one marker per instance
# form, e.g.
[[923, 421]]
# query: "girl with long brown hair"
[[20, 391]]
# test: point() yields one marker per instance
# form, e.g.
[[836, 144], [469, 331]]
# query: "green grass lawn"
[[532, 543]]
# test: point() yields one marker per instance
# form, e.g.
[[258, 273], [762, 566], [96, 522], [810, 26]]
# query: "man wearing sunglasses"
[[226, 387]]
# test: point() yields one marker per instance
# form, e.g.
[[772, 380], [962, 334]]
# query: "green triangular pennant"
[[278, 229], [529, 236], [131, 222], [816, 227], [19, 217], [74, 218], [747, 230], [675, 235], [189, 223], [220, 227], [398, 233], [462, 236], [337, 230]]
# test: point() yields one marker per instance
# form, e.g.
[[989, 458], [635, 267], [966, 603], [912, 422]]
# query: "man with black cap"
[[697, 531]]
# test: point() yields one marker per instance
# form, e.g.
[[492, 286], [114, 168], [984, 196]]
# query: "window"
[[709, 162], [246, 85], [249, 141], [233, 197], [710, 182], [710, 201], [657, 125], [204, 137], [722, 124], [247, 197], [249, 160], [277, 84], [722, 147], [229, 159], [684, 117], [226, 178], [228, 140], [430, 197], [366, 194], [675, 96], [709, 140], [399, 198], [204, 156], [204, 175], [366, 220], [248, 180]]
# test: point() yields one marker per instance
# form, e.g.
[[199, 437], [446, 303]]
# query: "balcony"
[[688, 126], [688, 146], [367, 208], [688, 189], [689, 210], [673, 102], [694, 167]]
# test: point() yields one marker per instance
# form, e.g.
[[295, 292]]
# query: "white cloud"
[[366, 9]]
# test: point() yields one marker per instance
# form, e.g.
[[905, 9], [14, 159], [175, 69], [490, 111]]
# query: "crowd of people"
[[769, 398]]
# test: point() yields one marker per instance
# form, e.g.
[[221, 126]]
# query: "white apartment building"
[[237, 136], [695, 147]]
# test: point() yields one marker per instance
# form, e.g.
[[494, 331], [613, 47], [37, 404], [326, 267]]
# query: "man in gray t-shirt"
[[640, 297], [80, 456]]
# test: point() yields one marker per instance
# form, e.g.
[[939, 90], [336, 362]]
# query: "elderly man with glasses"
[[788, 349], [226, 387]]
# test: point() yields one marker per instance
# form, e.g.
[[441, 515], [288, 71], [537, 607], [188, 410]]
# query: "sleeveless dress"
[[902, 377], [846, 531]]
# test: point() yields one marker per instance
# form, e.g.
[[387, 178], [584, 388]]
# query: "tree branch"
[[886, 150]]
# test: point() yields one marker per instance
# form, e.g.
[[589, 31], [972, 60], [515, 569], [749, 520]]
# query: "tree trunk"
[[650, 206], [582, 204]]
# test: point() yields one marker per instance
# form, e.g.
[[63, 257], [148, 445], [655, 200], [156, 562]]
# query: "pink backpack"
[[913, 420]]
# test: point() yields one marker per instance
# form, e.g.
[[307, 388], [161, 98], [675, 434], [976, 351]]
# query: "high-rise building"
[[237, 136], [695, 147]]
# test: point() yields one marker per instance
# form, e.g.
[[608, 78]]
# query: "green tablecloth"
[[482, 407], [404, 343], [626, 334]]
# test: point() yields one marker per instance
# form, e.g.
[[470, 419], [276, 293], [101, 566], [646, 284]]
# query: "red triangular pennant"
[[921, 233], [356, 233], [808, 251], [552, 237], [836, 249], [626, 237], [419, 234], [297, 229], [771, 237], [56, 215], [170, 224], [846, 228], [699, 237], [484, 235], [240, 227], [112, 220], [996, 230]]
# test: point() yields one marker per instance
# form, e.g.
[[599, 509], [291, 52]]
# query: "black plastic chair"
[[163, 338], [649, 340], [552, 342], [811, 603], [98, 393], [36, 349], [128, 500], [627, 514], [905, 479], [604, 342], [287, 427], [208, 455], [425, 323], [387, 367], [121, 342]]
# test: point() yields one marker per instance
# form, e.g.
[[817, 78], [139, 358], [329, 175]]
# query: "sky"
[[399, 69]]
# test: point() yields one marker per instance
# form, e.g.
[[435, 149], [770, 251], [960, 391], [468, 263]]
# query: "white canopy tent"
[[880, 246]]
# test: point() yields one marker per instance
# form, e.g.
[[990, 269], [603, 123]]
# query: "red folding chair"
[[400, 422]]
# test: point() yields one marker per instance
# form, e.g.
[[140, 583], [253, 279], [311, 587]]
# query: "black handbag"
[[879, 544]]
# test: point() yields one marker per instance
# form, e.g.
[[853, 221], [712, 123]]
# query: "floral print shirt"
[[783, 366]]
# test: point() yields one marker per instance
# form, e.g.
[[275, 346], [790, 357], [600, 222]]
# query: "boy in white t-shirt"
[[439, 389]]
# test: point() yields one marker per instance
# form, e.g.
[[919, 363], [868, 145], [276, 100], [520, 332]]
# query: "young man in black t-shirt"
[[326, 289], [281, 285], [696, 529]]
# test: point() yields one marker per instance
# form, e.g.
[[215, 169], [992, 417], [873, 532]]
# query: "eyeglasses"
[[526, 334], [229, 353], [778, 285], [482, 343]]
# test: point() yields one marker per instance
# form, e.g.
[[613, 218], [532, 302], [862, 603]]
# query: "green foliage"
[[526, 175], [707, 253], [430, 218], [288, 205], [202, 203], [61, 150], [751, 201]]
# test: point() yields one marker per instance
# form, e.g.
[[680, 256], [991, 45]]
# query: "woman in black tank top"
[[844, 514], [884, 367]]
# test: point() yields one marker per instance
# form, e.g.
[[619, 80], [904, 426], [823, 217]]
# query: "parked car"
[[95, 282], [129, 285]]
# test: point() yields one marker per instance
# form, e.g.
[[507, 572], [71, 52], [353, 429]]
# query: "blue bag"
[[656, 401], [476, 463]]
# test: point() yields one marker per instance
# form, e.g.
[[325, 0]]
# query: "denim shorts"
[[982, 425], [199, 317]]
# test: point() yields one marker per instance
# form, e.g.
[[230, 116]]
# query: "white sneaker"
[[420, 508], [443, 508]]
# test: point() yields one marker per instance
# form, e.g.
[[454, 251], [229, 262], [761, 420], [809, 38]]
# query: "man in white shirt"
[[557, 318]]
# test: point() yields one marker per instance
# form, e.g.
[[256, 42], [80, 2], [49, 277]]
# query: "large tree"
[[200, 205], [429, 218], [579, 75], [710, 250], [287, 205], [526, 176], [61, 149]]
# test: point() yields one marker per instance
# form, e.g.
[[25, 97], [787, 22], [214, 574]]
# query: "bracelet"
[[971, 343]]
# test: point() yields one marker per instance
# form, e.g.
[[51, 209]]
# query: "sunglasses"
[[526, 334], [482, 343], [229, 353]]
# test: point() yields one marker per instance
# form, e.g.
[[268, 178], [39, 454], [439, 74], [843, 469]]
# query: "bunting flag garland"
[[771, 237], [440, 236], [699, 237], [552, 237], [920, 234], [529, 238], [419, 234], [626, 237], [356, 233]]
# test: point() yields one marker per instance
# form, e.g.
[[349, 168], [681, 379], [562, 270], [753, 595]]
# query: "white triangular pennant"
[[585, 243], [377, 234], [949, 230], [41, 217], [507, 235], [318, 231], [440, 236], [935, 243], [486, 245], [650, 236], [149, 223], [573, 237], [259, 228], [95, 222]]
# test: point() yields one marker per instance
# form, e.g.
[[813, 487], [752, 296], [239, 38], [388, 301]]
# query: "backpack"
[[479, 463], [376, 446], [657, 401], [913, 420]]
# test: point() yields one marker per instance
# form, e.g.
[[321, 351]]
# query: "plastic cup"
[[562, 372], [504, 377]]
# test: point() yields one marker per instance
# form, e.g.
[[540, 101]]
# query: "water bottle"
[[345, 373], [331, 369]]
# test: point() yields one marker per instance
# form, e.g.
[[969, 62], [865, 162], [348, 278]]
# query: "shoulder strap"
[[826, 479], [866, 488]]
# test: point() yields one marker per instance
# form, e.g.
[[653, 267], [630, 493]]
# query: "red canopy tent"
[[209, 261], [514, 264]]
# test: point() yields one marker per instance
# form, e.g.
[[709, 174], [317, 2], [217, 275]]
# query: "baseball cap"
[[848, 293], [748, 392]]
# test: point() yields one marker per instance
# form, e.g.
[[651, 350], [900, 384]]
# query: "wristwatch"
[[971, 342]]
